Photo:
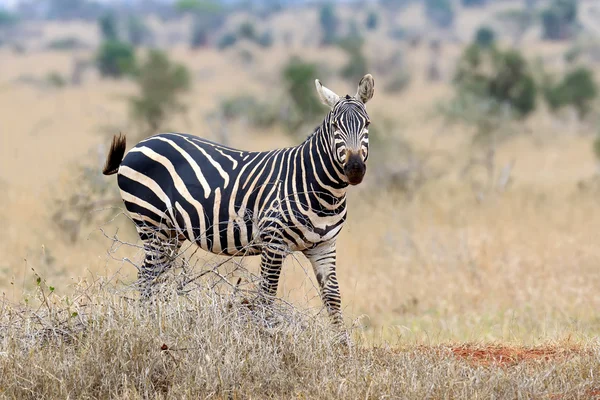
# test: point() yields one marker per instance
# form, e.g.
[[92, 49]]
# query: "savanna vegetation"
[[469, 264]]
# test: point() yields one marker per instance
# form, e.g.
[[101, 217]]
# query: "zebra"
[[179, 187]]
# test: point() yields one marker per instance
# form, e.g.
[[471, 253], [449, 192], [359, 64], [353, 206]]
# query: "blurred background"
[[478, 218]]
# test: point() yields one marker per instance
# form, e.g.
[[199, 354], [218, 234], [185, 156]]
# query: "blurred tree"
[[329, 23], [108, 26], [299, 78], [372, 20], [559, 19], [7, 18], [474, 3], [208, 15], [161, 83], [485, 36], [500, 77], [440, 12], [247, 30], [226, 41], [577, 89], [115, 59], [357, 65], [138, 32]]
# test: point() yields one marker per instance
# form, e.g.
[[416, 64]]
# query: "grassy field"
[[449, 291]]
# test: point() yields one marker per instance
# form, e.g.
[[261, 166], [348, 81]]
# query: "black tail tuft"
[[115, 155]]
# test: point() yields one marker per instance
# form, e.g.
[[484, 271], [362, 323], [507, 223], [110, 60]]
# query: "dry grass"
[[455, 295], [99, 344]]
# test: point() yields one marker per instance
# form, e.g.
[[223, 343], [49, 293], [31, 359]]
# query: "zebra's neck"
[[323, 173]]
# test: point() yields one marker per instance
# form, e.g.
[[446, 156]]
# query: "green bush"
[[227, 40], [372, 21], [329, 23], [357, 65], [559, 19], [501, 77], [440, 12], [577, 88], [108, 27], [265, 40], [161, 83], [115, 59], [485, 36], [247, 30], [299, 79]]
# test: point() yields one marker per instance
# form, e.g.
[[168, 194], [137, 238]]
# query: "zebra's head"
[[348, 124]]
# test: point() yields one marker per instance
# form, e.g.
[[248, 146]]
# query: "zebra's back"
[[191, 186]]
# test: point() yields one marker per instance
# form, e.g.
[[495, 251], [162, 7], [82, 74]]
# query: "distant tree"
[[502, 78], [299, 78], [372, 20], [329, 23], [108, 26], [485, 36], [559, 19], [247, 30], [474, 3], [227, 40], [577, 89], [7, 18], [208, 15], [138, 32], [265, 40], [357, 65], [115, 59], [440, 12], [161, 83]]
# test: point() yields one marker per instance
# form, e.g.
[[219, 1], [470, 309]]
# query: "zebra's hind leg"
[[161, 248]]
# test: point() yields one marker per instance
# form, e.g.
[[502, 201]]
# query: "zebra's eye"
[[367, 124]]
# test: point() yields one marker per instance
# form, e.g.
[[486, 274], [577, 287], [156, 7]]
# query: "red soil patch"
[[506, 356]]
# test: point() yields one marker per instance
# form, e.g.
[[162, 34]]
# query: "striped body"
[[180, 187], [225, 199]]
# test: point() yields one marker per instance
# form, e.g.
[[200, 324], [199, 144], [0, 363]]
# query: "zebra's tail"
[[115, 155]]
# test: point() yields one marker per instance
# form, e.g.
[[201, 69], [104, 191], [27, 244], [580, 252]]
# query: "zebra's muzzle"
[[355, 169]]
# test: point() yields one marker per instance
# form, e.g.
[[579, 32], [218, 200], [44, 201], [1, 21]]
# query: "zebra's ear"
[[328, 97], [366, 88]]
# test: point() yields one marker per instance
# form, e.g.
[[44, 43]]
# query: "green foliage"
[[199, 6], [299, 79], [329, 23], [115, 59], [357, 65], [473, 3], [247, 30], [265, 40], [500, 77], [485, 36], [559, 19], [372, 20], [227, 40], [440, 12], [577, 88], [7, 18], [161, 83], [137, 31], [108, 26]]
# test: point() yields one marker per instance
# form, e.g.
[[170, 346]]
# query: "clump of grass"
[[98, 343]]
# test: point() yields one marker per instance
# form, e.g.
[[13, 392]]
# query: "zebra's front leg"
[[272, 257], [322, 257]]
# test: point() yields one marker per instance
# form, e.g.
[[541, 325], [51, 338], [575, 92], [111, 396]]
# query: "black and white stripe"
[[177, 186]]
